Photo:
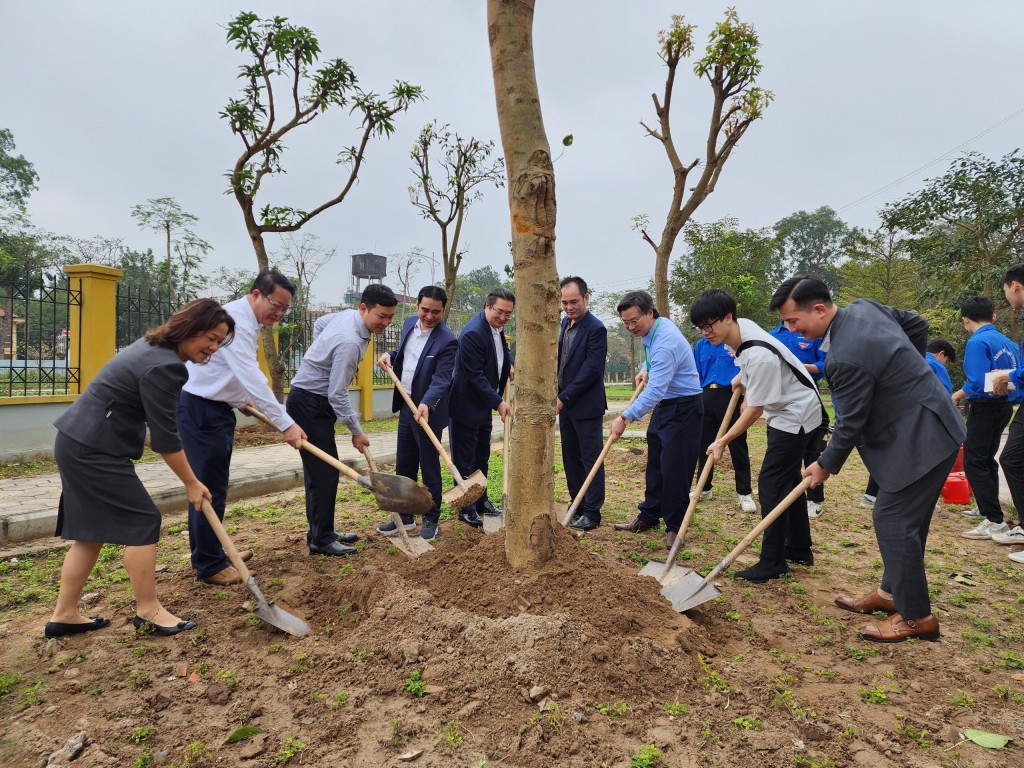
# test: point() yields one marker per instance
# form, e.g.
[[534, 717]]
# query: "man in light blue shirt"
[[673, 435]]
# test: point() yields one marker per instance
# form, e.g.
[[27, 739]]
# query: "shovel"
[[571, 511], [690, 590], [653, 567], [466, 491], [393, 493], [413, 546], [270, 613], [494, 523]]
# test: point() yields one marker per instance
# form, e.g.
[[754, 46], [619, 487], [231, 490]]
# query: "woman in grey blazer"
[[102, 499]]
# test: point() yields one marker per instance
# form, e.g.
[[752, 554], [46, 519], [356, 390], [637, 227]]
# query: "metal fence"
[[35, 344], [138, 310]]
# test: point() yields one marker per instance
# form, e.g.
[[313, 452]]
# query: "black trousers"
[[901, 520], [673, 442], [316, 417], [207, 430], [1012, 462], [790, 534], [582, 441], [985, 422], [471, 450], [414, 453], [716, 403]]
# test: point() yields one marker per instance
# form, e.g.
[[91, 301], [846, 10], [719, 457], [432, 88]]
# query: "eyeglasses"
[[706, 327], [502, 313], [281, 309], [633, 323]]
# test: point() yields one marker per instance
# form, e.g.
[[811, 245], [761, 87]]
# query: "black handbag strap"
[[803, 380]]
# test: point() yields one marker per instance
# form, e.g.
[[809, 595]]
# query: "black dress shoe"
[[344, 538], [334, 548], [146, 627], [584, 523], [486, 508], [760, 572], [469, 516], [635, 525], [60, 629], [800, 557]]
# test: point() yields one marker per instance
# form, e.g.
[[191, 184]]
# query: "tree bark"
[[529, 541]]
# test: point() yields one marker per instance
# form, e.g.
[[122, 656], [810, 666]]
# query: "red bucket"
[[956, 490]]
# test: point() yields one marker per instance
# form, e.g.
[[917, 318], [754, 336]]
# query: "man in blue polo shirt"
[[809, 353], [716, 366], [987, 413], [673, 435]]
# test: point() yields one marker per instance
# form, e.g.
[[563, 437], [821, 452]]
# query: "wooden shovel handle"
[[426, 427], [345, 469], [369, 458], [225, 540], [506, 442]]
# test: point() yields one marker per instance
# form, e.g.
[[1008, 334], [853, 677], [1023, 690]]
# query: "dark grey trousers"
[[901, 521]]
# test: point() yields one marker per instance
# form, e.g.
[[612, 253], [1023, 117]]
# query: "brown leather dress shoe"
[[245, 555], [870, 603], [635, 525], [223, 578], [896, 629], [670, 539]]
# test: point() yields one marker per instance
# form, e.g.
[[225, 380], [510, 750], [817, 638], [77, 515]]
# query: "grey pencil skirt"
[[102, 499]]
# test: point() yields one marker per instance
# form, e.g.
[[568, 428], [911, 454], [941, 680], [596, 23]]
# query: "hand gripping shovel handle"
[[567, 518], [345, 469], [426, 428], [701, 482], [770, 518], [225, 541]]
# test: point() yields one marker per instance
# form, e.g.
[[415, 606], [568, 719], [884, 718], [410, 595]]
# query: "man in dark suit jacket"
[[423, 362], [581, 403], [483, 365], [901, 420]]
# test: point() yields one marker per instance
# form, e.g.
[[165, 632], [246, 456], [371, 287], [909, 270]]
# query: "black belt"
[[714, 385], [678, 400]]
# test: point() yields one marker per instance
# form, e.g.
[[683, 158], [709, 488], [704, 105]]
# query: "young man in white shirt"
[[206, 422], [787, 398]]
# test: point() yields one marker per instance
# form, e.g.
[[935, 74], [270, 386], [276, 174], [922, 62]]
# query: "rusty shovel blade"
[[395, 493]]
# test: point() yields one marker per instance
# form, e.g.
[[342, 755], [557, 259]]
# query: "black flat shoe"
[[759, 573], [485, 507], [146, 627], [469, 516], [584, 523], [60, 629], [334, 548]]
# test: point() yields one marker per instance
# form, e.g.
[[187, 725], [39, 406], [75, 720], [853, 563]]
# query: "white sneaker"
[[747, 502], [867, 501], [1013, 536], [1017, 557], [704, 495], [985, 530], [813, 509], [972, 514]]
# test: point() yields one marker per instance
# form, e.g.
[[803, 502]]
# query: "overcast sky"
[[118, 102]]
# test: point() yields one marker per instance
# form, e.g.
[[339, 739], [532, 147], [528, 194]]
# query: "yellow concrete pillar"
[[364, 381], [93, 323]]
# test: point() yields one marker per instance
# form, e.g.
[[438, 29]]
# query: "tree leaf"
[[567, 141], [242, 734], [987, 740]]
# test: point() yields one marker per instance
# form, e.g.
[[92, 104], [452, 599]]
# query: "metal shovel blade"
[[494, 523], [395, 493], [688, 598], [275, 615], [467, 492], [413, 546]]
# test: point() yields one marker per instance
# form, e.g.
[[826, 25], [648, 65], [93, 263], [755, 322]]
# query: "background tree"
[[304, 257], [731, 66], [624, 350], [814, 243], [185, 249], [406, 269], [473, 289], [879, 267], [282, 92], [447, 184], [720, 255], [18, 176], [529, 541]]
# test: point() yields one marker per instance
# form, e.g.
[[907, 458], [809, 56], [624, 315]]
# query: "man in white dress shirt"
[[319, 399], [206, 419]]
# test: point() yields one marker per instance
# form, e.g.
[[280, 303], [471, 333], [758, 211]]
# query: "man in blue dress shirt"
[[717, 367], [673, 435]]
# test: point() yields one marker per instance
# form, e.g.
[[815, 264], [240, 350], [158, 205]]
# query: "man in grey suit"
[[901, 420]]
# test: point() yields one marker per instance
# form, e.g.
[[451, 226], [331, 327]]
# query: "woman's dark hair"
[[194, 318]]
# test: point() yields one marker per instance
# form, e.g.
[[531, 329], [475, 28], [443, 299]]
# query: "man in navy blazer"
[[581, 402], [483, 365], [423, 363]]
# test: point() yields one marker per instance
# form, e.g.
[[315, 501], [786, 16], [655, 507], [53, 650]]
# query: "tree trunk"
[[531, 190], [274, 364]]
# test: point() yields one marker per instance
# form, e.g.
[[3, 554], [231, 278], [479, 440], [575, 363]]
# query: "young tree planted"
[[185, 249], [282, 91], [529, 541], [449, 170], [731, 66]]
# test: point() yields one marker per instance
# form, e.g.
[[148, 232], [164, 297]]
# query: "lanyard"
[[646, 353]]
